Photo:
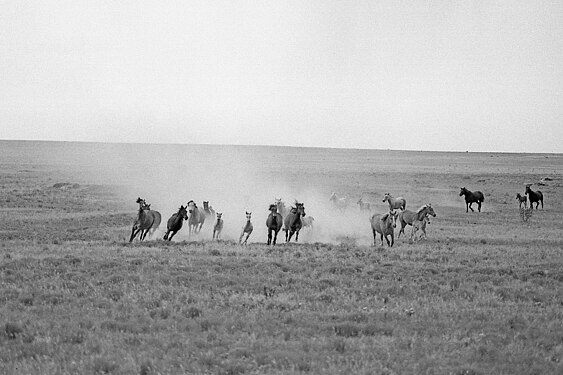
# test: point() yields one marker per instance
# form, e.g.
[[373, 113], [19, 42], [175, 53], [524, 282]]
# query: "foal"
[[522, 200], [248, 228], [218, 227]]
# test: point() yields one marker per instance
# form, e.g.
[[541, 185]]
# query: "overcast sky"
[[412, 75]]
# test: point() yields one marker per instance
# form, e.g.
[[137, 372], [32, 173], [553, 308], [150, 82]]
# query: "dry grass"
[[483, 295]]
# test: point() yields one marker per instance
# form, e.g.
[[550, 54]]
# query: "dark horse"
[[143, 223], [175, 222], [472, 197], [273, 223], [534, 196], [292, 222]]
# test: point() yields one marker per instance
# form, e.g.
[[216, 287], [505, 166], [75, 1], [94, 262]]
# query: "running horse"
[[274, 222], [408, 217], [282, 209], [395, 203], [384, 225], [472, 197], [143, 223], [246, 229], [338, 203], [154, 213], [175, 223], [196, 218], [293, 223]]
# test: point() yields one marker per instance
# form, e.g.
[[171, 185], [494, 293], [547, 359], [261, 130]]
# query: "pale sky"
[[406, 75]]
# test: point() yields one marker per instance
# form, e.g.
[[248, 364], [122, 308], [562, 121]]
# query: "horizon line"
[[273, 145]]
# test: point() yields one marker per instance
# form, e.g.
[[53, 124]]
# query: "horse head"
[[463, 191], [299, 208], [386, 197], [219, 214], [430, 210], [183, 212], [273, 208], [248, 215]]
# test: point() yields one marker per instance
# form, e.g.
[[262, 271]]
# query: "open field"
[[482, 295]]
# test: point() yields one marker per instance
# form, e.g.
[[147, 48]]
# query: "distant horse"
[[155, 214], [208, 211], [143, 222], [534, 197], [196, 218], [307, 222], [218, 227], [407, 217], [395, 203], [522, 200], [293, 223], [282, 208], [364, 206], [247, 229], [273, 223], [385, 226], [472, 197], [175, 223], [339, 203]]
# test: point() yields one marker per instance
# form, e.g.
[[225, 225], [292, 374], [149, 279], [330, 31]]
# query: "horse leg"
[[269, 236], [479, 205], [392, 239], [275, 237], [240, 238], [374, 237], [166, 235], [290, 235], [172, 235], [297, 235], [132, 234]]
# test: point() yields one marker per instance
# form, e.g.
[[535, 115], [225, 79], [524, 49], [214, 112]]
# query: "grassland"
[[482, 295]]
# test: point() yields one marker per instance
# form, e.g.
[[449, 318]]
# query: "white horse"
[[246, 229], [395, 203], [338, 203]]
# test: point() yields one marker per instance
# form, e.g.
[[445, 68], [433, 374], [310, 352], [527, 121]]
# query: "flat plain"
[[483, 294]]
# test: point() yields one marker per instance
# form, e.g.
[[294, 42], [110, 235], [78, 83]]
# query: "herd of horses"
[[292, 219]]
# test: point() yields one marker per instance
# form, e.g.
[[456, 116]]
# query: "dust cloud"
[[234, 179]]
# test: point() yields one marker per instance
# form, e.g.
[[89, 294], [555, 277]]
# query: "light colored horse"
[[246, 229], [338, 203], [196, 218], [385, 226], [407, 217], [364, 206], [273, 223], [281, 207], [293, 223], [175, 222], [143, 222], [307, 222], [395, 203], [218, 227], [208, 210], [420, 225]]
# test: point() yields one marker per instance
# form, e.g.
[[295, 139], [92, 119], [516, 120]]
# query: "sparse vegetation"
[[482, 295]]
